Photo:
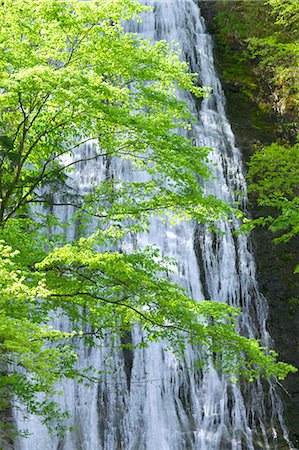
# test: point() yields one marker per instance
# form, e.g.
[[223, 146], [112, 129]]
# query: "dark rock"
[[275, 263]]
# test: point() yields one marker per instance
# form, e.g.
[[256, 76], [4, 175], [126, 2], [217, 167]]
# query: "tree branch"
[[125, 305]]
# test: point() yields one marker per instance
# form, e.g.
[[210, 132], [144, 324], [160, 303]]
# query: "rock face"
[[275, 263]]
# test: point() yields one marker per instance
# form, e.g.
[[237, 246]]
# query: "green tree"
[[273, 180], [72, 75], [69, 74]]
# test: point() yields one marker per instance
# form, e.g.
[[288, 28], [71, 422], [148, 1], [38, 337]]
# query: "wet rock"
[[275, 263]]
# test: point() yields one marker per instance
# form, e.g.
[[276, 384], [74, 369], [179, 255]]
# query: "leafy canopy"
[[71, 72]]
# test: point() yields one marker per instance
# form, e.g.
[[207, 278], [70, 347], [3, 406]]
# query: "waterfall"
[[148, 399]]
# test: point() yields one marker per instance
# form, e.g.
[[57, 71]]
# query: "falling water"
[[149, 400]]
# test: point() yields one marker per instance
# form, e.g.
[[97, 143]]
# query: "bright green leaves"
[[274, 179], [274, 171], [33, 366], [71, 72], [117, 291]]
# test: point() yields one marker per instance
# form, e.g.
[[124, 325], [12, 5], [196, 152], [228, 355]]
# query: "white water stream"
[[166, 406]]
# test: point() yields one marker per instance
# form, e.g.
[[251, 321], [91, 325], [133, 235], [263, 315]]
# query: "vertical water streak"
[[149, 400]]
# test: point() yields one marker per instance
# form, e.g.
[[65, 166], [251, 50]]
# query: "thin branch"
[[22, 107], [47, 131], [125, 305], [284, 389], [44, 101], [44, 176], [75, 47]]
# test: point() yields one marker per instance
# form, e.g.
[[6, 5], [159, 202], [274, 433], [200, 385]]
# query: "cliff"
[[254, 123]]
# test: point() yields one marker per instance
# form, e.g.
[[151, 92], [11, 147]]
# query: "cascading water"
[[147, 399]]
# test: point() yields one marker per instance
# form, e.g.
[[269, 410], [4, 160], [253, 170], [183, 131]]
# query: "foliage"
[[274, 179], [134, 289], [69, 70], [110, 293], [72, 72], [268, 31], [36, 367], [278, 48]]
